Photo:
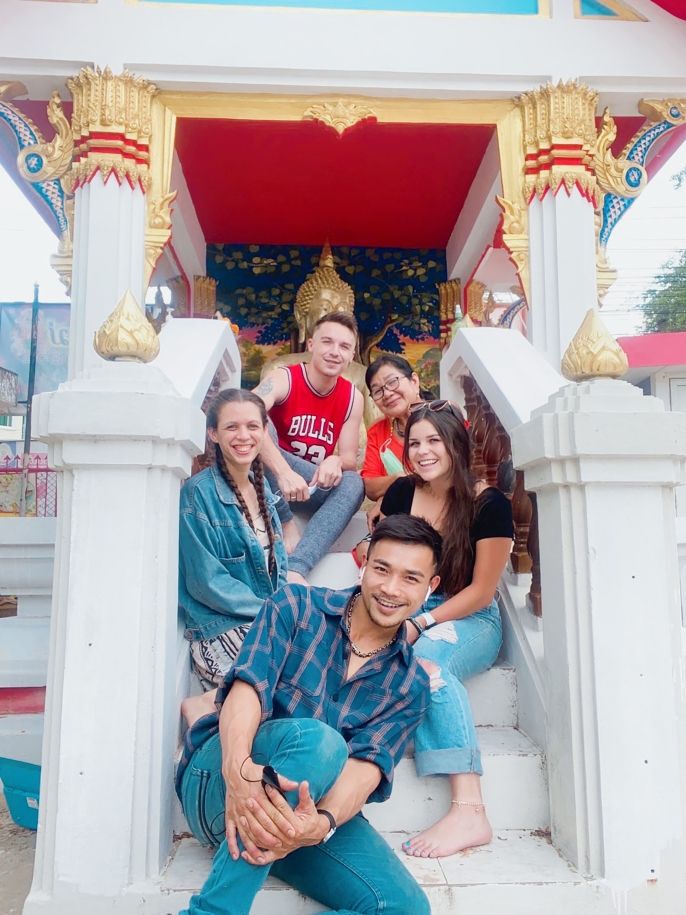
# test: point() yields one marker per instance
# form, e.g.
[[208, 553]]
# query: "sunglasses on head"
[[436, 406]]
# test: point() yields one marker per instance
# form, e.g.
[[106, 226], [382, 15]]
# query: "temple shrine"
[[451, 172]]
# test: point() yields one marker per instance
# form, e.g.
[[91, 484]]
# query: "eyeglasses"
[[391, 385], [435, 406]]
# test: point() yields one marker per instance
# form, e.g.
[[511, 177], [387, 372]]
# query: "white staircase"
[[519, 873]]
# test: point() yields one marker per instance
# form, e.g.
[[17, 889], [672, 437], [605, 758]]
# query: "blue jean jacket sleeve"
[[208, 577]]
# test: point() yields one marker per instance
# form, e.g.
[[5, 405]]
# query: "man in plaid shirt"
[[318, 709]]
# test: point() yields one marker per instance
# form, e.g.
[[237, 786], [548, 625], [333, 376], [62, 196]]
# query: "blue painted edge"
[[506, 7]]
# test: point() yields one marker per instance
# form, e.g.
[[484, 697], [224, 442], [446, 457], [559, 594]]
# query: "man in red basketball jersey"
[[314, 409]]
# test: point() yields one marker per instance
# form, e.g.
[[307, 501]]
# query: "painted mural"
[[396, 300]]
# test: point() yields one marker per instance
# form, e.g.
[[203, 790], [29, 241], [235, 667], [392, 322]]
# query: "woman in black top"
[[459, 633]]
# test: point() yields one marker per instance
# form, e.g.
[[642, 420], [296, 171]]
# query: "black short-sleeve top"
[[492, 516]]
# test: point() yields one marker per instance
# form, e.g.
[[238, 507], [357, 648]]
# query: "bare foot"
[[196, 707], [295, 578], [460, 828], [291, 536]]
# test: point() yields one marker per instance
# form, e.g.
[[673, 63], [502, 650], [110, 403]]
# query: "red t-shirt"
[[308, 423], [380, 438]]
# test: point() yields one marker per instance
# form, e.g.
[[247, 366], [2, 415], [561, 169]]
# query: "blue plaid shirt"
[[295, 657]]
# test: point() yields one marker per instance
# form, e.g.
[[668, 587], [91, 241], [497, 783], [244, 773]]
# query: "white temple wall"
[[478, 219], [187, 236], [179, 46]]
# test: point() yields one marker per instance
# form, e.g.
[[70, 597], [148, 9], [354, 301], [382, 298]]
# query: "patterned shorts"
[[212, 659]]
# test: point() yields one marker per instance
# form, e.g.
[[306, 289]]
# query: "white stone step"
[[514, 787], [519, 873]]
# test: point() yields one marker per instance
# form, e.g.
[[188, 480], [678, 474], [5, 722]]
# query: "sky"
[[653, 230]]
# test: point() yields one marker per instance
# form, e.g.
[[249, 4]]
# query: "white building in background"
[[387, 122]]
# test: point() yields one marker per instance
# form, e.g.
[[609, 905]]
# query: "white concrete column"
[[603, 461], [123, 439], [109, 258], [562, 269]]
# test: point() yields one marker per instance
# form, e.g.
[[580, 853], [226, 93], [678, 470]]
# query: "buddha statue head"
[[322, 292]]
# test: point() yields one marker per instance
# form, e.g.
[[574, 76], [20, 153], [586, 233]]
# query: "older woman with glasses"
[[459, 632], [394, 387]]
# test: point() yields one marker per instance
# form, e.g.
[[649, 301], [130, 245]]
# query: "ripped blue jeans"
[[445, 741]]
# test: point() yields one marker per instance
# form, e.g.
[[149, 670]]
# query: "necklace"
[[397, 431], [353, 647]]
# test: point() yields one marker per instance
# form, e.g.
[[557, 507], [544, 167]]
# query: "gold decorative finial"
[[593, 352], [322, 292], [127, 335]]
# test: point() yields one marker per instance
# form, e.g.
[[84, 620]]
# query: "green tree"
[[664, 305]]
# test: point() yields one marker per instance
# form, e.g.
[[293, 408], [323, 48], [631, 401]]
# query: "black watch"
[[332, 824]]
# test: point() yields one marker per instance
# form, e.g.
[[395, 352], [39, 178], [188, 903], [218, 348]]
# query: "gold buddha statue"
[[323, 292]]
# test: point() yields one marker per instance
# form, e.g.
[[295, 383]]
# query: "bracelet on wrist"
[[413, 622]]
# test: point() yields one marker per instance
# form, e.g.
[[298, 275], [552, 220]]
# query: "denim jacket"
[[223, 577]]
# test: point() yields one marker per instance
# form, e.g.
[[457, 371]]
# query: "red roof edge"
[[655, 349]]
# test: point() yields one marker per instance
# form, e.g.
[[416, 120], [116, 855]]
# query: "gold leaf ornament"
[[127, 335], [55, 156], [615, 176], [340, 115], [593, 352]]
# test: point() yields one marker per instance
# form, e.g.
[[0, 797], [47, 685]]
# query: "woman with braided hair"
[[232, 555]]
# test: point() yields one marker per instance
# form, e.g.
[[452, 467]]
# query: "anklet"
[[474, 804]]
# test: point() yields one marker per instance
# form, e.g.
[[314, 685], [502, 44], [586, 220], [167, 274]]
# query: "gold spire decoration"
[[323, 284], [127, 335], [593, 352]]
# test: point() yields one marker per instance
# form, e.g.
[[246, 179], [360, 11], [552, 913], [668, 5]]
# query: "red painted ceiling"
[[381, 185], [385, 185]]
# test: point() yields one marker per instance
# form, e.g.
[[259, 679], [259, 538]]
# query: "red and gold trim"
[[111, 124], [559, 137]]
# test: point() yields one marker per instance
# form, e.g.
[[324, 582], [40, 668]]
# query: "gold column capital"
[[559, 135], [112, 125]]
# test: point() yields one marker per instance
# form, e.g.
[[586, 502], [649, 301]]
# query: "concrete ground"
[[17, 846]]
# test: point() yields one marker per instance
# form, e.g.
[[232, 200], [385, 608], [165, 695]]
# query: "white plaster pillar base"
[[109, 258], [563, 271], [603, 461], [124, 440]]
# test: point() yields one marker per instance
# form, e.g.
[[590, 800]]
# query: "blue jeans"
[[329, 511], [445, 741], [355, 872]]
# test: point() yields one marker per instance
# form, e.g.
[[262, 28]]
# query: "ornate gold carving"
[[449, 295], [666, 109], [615, 176], [475, 301], [111, 122], [322, 292], [127, 335], [593, 352], [204, 296], [559, 133], [57, 154], [158, 230], [516, 238], [340, 115]]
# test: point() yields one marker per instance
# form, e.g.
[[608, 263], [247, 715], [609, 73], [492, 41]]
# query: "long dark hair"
[[237, 395], [457, 562]]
